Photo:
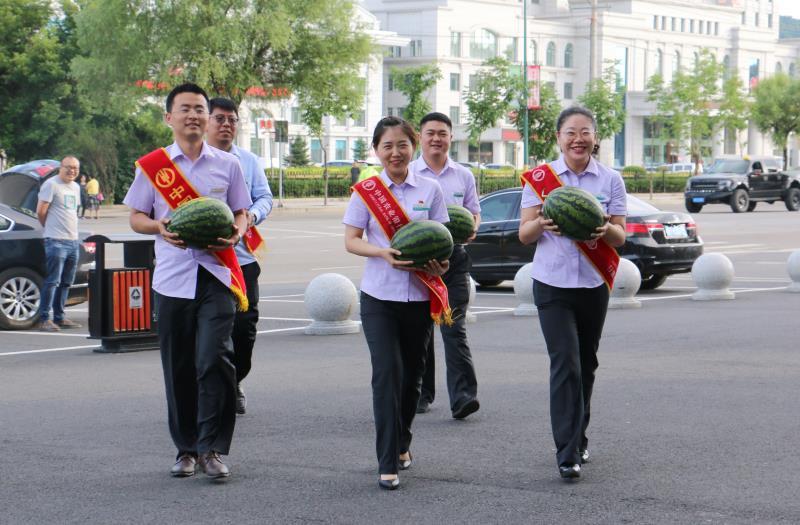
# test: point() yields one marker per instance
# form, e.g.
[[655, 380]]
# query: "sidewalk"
[[289, 205]]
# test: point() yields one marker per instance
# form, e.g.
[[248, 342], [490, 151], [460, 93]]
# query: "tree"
[[776, 108], [298, 152], [494, 94], [605, 99], [413, 82], [541, 123], [734, 110], [360, 149]]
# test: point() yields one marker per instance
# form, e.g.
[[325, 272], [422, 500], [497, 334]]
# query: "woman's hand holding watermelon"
[[223, 244], [388, 254], [435, 267], [601, 230], [549, 226], [172, 238]]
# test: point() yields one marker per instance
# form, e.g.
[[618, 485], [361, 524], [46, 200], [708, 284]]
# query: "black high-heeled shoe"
[[405, 464], [389, 484]]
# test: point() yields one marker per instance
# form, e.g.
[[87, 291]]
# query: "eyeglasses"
[[220, 119], [584, 133]]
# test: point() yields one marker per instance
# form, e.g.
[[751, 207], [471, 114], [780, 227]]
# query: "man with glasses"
[[222, 128], [57, 209]]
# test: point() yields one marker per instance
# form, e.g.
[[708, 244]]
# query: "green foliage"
[[413, 82], [776, 108], [541, 124], [298, 152], [634, 171], [360, 149], [496, 90], [604, 98]]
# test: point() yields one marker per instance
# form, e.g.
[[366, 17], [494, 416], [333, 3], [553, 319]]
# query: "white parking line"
[[34, 332], [734, 290], [286, 319], [281, 330], [43, 350]]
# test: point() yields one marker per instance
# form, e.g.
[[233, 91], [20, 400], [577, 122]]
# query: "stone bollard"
[[793, 267], [523, 289], [626, 284], [712, 274], [470, 315], [330, 300]]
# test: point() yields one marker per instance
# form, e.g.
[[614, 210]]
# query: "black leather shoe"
[[241, 400], [184, 467], [469, 407], [570, 471], [212, 465], [405, 464], [584, 454], [423, 406], [389, 484]]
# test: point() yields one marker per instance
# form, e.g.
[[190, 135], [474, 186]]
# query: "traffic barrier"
[[793, 267], [523, 289], [470, 315], [626, 285], [330, 299], [712, 274]]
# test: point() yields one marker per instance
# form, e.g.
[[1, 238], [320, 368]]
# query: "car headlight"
[[724, 184]]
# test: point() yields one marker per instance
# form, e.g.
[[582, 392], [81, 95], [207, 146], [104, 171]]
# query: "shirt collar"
[[411, 179], [448, 164], [235, 151], [175, 151], [560, 167]]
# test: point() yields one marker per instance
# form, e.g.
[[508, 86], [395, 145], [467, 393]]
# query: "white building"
[[258, 115], [643, 36]]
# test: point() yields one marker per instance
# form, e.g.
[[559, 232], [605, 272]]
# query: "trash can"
[[121, 307]]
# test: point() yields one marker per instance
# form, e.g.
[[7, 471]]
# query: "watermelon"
[[576, 212], [200, 221], [462, 223], [421, 241]]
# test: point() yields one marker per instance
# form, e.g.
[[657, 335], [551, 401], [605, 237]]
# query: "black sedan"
[[22, 260], [660, 243]]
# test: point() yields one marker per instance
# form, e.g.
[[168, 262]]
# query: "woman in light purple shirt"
[[395, 306], [570, 295]]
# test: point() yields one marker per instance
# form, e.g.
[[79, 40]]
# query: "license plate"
[[675, 231], [699, 199]]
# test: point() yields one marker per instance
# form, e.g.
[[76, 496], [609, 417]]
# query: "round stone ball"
[[712, 271], [523, 284], [793, 266], [628, 279], [330, 297]]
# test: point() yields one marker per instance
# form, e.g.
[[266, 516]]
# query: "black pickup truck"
[[742, 184]]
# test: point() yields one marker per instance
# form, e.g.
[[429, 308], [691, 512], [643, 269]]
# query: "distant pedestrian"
[[93, 193], [355, 171], [57, 210], [84, 197]]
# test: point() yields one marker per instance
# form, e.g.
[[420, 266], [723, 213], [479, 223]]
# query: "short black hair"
[[391, 122], [575, 110], [186, 87], [438, 117], [222, 103]]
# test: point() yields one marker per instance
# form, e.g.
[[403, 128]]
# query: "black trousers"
[[196, 355], [396, 333], [244, 326], [572, 322], [462, 385]]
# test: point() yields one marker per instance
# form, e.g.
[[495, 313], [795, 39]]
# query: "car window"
[[772, 164], [499, 207], [5, 223], [19, 190], [639, 207], [729, 166]]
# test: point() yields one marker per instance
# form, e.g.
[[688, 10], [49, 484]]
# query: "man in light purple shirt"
[[194, 303], [458, 187]]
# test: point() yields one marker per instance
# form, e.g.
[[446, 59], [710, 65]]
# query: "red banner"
[[383, 206], [605, 259]]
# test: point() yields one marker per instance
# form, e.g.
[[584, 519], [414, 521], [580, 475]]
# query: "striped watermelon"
[[421, 241], [576, 212], [200, 221], [462, 223]]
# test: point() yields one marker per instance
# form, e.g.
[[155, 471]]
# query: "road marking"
[[63, 349], [745, 279], [34, 332], [316, 233], [735, 290], [494, 311], [282, 330], [732, 246], [286, 319]]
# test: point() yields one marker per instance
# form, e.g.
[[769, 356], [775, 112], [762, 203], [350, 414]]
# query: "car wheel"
[[793, 199], [651, 282], [751, 206], [693, 207], [20, 294], [486, 282], [740, 200]]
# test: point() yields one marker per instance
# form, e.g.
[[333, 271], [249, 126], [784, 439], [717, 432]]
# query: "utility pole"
[[593, 42], [526, 137]]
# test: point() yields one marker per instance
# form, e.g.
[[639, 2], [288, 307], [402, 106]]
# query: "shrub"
[[634, 171]]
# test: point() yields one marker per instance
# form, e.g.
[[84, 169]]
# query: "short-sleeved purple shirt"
[[215, 174], [421, 198], [457, 182], [557, 261]]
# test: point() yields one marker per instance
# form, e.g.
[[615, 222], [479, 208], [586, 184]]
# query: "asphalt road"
[[694, 414]]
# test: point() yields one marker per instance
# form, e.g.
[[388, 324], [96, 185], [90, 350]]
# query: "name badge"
[[420, 206], [458, 195], [602, 198], [217, 190]]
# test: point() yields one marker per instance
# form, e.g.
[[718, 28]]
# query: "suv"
[[743, 183]]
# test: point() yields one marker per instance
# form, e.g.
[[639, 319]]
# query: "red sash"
[[603, 257], [175, 188], [385, 209]]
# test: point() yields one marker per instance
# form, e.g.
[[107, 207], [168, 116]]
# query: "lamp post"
[[525, 77]]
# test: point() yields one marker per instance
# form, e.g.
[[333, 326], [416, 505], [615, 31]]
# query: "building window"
[[663, 23], [696, 59], [683, 25], [512, 52], [401, 112], [483, 153], [455, 115], [792, 70], [778, 68], [756, 19], [483, 45], [416, 48], [568, 55], [700, 27], [550, 58], [473, 79], [511, 153], [655, 21], [726, 67], [676, 62], [769, 20], [255, 145], [390, 83], [568, 90], [659, 62], [455, 44], [454, 150], [716, 28], [316, 151], [534, 52], [294, 117], [753, 73], [744, 18], [395, 51], [341, 149], [455, 82], [360, 119], [691, 26]]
